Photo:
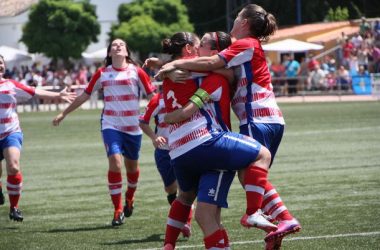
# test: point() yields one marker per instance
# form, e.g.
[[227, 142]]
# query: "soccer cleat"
[[2, 197], [128, 208], [274, 243], [186, 231], [118, 218], [285, 228], [257, 220], [168, 247], [15, 214]]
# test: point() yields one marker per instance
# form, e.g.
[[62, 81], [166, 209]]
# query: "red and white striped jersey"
[[254, 85], [218, 107], [121, 90], [156, 108], [194, 131], [9, 90]]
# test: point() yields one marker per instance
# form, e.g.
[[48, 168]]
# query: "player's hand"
[[67, 96], [166, 68], [58, 119], [153, 62], [159, 142], [178, 75]]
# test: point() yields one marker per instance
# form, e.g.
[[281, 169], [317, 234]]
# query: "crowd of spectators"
[[358, 55], [55, 79]]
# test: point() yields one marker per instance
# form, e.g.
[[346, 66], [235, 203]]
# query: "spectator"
[[339, 41], [292, 69], [348, 49], [304, 71], [362, 54], [353, 64], [362, 71], [364, 25], [375, 53], [343, 78], [67, 80], [312, 62], [331, 79], [331, 62], [316, 80], [356, 40]]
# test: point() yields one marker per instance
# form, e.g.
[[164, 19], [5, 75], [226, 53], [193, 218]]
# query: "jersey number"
[[175, 104]]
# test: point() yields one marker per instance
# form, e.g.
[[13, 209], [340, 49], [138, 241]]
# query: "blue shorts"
[[214, 186], [12, 140], [117, 142], [163, 165], [269, 135], [225, 151]]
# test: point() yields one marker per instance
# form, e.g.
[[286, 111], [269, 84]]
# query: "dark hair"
[[261, 24], [174, 44], [108, 60], [219, 40]]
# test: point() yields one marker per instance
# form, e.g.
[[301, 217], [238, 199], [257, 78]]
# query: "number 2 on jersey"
[[175, 104]]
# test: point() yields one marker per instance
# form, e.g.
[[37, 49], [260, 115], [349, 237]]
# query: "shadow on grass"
[[9, 228], [83, 229], [150, 239]]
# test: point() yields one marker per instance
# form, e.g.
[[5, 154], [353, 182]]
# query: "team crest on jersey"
[[211, 192], [110, 76]]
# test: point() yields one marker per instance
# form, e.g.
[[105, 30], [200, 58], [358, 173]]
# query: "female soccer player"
[[156, 109], [204, 157], [11, 136], [121, 81], [253, 102]]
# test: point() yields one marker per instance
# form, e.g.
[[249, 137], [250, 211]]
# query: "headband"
[[217, 42]]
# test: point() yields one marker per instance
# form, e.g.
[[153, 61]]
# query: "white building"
[[11, 24]]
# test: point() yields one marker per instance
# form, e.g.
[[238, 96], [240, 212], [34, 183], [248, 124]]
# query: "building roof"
[[308, 28], [333, 35], [14, 7]]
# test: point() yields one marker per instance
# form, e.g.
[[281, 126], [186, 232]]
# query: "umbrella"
[[291, 45], [12, 54]]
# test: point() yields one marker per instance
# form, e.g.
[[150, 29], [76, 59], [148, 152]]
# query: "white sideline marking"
[[289, 239]]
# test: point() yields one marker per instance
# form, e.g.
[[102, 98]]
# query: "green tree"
[[61, 29], [144, 23], [340, 14]]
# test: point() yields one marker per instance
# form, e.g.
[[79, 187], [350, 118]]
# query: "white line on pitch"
[[289, 239]]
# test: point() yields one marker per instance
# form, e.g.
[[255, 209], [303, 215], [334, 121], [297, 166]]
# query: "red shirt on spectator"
[[347, 49]]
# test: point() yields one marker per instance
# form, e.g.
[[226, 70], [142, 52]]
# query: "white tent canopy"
[[96, 56], [99, 54], [12, 54], [291, 45]]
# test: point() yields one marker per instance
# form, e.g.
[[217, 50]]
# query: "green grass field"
[[327, 172]]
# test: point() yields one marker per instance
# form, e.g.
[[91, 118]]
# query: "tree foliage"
[[340, 14], [61, 29], [212, 16], [144, 23]]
